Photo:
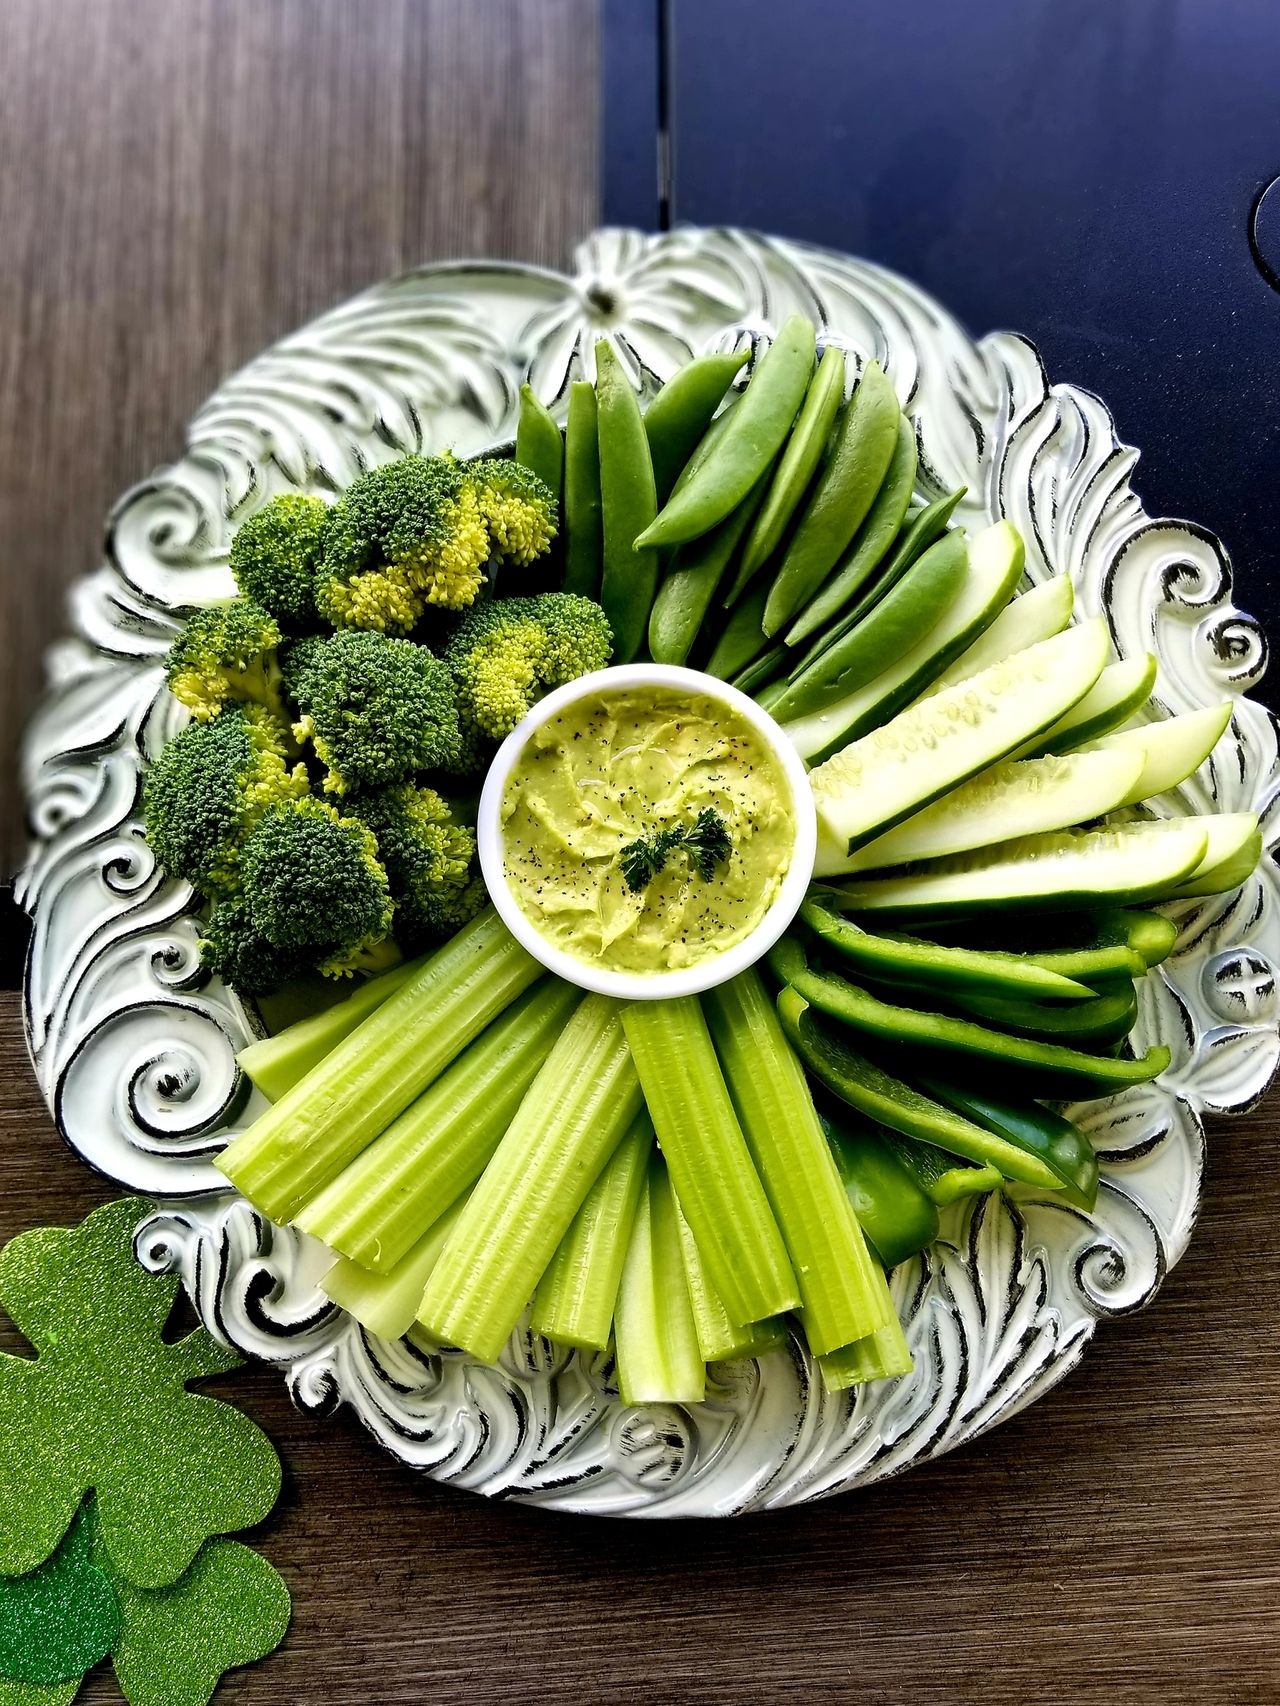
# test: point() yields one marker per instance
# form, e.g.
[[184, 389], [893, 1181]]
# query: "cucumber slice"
[[1233, 854], [1033, 616], [1128, 863], [928, 750], [1122, 689], [1024, 798], [995, 563], [1171, 750]]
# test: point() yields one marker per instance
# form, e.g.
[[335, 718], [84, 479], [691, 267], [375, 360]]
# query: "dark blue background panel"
[[1082, 171]]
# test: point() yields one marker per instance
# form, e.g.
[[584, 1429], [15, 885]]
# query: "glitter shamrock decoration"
[[104, 1407], [59, 1620]]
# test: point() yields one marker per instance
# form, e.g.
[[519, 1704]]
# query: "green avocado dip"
[[627, 764]]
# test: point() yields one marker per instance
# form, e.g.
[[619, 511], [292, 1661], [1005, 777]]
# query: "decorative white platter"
[[135, 1046]]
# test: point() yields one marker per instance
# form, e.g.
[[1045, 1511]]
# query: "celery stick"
[[575, 1297], [659, 1361], [276, 1063], [377, 1208], [711, 1167], [306, 1138], [881, 1356], [842, 1289], [719, 1338], [572, 1119], [388, 1304]]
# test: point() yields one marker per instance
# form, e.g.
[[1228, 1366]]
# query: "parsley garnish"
[[705, 840]]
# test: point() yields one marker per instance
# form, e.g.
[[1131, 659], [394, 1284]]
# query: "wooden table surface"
[[180, 182]]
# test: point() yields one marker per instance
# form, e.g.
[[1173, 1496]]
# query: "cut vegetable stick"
[[1233, 854], [1033, 616], [1119, 691], [657, 1342], [884, 1356], [711, 1167], [275, 1064], [1028, 797], [306, 1138], [379, 1206], [1122, 865], [842, 1291], [571, 1120], [388, 1304], [1171, 750], [719, 1338], [575, 1299], [873, 783]]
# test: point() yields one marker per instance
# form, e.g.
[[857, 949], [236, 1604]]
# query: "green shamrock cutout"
[[230, 1609], [38, 1693], [62, 1618], [104, 1406]]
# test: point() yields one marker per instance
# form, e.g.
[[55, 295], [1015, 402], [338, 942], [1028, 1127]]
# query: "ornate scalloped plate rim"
[[134, 1048]]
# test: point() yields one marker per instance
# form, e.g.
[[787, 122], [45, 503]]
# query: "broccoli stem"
[[575, 1298], [843, 1291], [388, 1303], [881, 1356], [711, 1167], [719, 1338], [275, 1064], [304, 1140], [659, 1361], [571, 1120], [379, 1206]]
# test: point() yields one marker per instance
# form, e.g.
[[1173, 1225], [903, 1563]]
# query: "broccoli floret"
[[419, 532], [234, 950], [207, 789], [505, 654], [430, 860], [519, 509], [376, 710], [314, 887], [226, 652], [275, 556]]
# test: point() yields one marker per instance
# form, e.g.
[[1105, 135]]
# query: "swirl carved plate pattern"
[[135, 1046]]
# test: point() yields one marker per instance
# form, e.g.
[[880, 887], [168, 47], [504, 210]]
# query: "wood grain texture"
[[183, 181], [1117, 1543]]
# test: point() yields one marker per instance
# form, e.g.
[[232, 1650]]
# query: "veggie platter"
[[822, 1220]]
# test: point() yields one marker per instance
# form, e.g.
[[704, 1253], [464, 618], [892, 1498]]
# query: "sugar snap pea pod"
[[696, 571], [872, 1091], [797, 464], [539, 446], [1083, 1024], [861, 451], [682, 411], [925, 592], [628, 503], [761, 421], [919, 532], [1053, 1064], [584, 537], [757, 677], [943, 1178], [1062, 1145], [897, 1215], [742, 638], [888, 957], [870, 543]]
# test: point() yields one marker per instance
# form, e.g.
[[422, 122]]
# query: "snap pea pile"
[[668, 1180]]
